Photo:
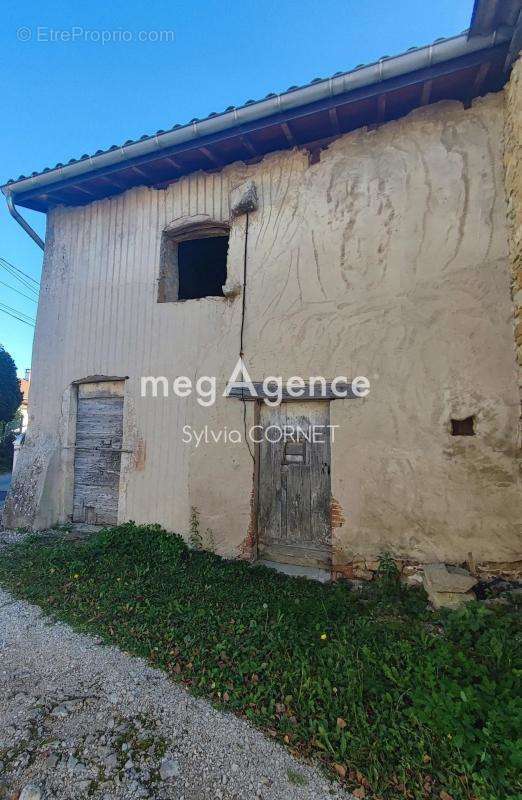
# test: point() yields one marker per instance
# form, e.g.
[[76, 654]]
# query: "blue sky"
[[63, 99]]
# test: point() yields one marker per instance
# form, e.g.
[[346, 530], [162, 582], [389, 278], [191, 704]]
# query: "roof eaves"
[[341, 83]]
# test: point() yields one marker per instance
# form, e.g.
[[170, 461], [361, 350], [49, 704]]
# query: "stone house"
[[368, 224]]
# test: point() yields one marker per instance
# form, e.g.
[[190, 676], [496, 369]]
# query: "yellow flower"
[[323, 636], [76, 575]]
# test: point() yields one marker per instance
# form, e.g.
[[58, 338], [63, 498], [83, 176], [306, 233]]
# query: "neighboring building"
[[24, 410], [369, 225], [24, 388]]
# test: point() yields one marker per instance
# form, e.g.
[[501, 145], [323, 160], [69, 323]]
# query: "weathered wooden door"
[[294, 484], [97, 458]]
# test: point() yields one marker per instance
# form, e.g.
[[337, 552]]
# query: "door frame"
[[70, 413], [320, 556], [254, 513]]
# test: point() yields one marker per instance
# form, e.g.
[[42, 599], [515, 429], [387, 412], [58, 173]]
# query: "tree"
[[6, 452], [10, 394]]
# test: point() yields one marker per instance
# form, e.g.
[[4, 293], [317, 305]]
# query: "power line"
[[20, 271], [3, 311], [13, 289], [17, 277], [16, 311], [11, 310], [28, 282], [17, 318]]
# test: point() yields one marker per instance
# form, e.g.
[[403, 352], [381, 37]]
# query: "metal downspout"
[[22, 222]]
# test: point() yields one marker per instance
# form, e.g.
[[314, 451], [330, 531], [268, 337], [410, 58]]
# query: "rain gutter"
[[382, 70]]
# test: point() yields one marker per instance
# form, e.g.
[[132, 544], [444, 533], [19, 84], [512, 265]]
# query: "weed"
[[195, 537], [296, 778], [210, 541]]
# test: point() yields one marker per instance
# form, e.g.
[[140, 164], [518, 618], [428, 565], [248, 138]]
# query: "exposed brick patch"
[[247, 548], [337, 518], [356, 567], [140, 455], [340, 571]]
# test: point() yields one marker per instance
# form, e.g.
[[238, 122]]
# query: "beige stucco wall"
[[388, 258], [513, 173]]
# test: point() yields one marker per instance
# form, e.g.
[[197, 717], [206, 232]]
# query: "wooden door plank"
[[287, 553], [99, 419], [104, 503], [97, 468], [97, 461], [297, 503], [270, 483], [320, 488], [296, 510], [107, 388]]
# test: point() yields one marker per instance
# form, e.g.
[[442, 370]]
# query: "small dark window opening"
[[192, 266], [202, 267], [463, 427]]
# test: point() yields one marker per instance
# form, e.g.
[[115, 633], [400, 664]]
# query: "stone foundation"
[[366, 569]]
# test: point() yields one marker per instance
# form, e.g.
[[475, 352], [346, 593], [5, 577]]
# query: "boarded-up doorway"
[[294, 484], [97, 457]]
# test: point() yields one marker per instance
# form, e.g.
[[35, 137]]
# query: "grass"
[[395, 700]]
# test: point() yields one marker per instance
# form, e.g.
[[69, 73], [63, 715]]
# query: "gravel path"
[[80, 719]]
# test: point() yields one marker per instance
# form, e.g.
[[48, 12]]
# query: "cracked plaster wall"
[[388, 258]]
